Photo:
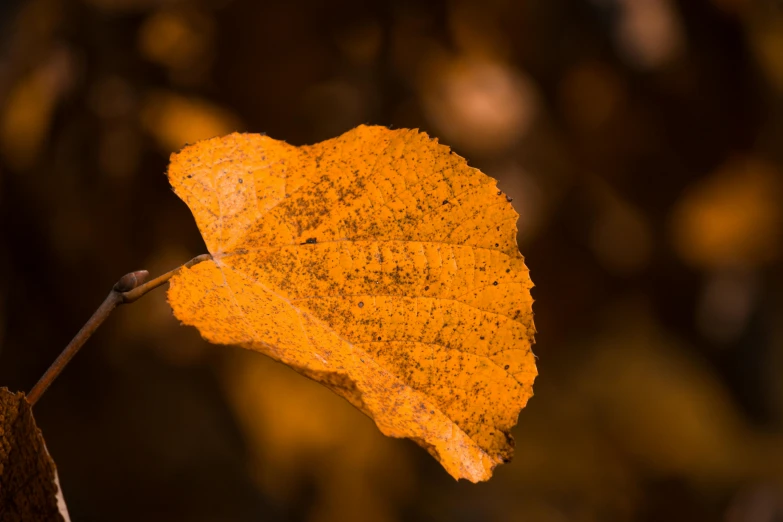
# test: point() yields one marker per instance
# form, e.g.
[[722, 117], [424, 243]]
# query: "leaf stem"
[[127, 290]]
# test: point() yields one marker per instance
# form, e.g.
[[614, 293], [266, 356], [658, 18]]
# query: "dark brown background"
[[642, 141]]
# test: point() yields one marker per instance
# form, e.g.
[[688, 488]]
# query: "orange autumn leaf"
[[377, 263]]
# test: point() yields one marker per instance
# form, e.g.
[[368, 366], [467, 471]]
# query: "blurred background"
[[641, 141]]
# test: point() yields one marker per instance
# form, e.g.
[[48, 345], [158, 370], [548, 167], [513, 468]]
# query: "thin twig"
[[127, 290]]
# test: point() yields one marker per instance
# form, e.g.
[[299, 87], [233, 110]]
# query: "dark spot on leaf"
[[361, 304], [482, 337], [426, 288], [506, 367], [500, 192], [495, 283], [379, 337], [310, 241], [497, 245], [508, 270], [240, 180], [508, 198], [445, 201]]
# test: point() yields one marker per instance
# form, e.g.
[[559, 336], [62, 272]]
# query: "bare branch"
[[127, 290]]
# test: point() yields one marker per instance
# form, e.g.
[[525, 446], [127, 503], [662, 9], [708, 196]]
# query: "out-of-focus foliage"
[[639, 140], [317, 438], [733, 217], [174, 120]]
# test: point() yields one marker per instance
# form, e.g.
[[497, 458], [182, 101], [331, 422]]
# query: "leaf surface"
[[28, 478], [377, 263]]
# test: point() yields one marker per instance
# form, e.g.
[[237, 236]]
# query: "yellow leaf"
[[378, 264]]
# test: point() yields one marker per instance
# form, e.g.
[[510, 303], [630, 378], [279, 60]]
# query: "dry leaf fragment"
[[376, 263], [28, 479]]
